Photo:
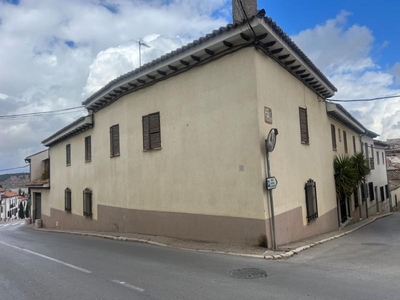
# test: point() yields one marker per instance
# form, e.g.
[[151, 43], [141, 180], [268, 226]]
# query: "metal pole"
[[271, 199], [140, 54]]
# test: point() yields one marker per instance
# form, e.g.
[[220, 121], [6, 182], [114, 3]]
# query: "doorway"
[[38, 206]]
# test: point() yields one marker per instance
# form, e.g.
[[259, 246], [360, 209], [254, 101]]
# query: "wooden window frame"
[[333, 134], [151, 130], [87, 203], [88, 148], [68, 200], [115, 145], [68, 155], [303, 119], [346, 149]]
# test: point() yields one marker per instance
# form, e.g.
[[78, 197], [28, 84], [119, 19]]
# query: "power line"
[[364, 100], [39, 114], [14, 168]]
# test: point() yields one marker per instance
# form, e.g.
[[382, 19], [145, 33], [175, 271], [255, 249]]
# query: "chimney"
[[250, 7]]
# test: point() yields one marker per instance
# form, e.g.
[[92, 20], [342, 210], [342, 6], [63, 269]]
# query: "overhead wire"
[[365, 100], [14, 168], [43, 113]]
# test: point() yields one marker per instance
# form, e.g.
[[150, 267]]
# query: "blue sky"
[[381, 17]]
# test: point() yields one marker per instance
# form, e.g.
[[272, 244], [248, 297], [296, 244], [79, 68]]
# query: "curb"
[[287, 254], [302, 248], [127, 239]]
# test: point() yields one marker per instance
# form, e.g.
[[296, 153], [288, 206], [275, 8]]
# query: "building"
[[39, 170], [394, 187], [180, 142], [378, 188], [9, 203]]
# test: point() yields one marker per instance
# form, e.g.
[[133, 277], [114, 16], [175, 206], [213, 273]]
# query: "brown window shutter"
[[333, 132], [88, 148], [345, 141], [303, 126], [114, 140], [146, 133], [354, 144], [68, 152], [155, 135]]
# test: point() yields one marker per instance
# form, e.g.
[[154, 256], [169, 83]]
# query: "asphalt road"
[[42, 265]]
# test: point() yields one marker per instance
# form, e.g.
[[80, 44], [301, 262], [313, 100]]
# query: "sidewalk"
[[284, 251]]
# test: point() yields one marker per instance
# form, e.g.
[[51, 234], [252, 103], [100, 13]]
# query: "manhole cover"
[[248, 273]]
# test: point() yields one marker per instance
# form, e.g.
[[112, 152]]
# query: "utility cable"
[[43, 113], [14, 168], [364, 100]]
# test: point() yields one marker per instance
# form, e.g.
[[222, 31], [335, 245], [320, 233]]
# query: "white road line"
[[129, 286], [14, 224], [49, 258], [5, 225]]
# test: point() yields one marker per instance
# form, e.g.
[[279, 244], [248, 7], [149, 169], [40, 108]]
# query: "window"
[[311, 200], [305, 139], [114, 141], [364, 192], [88, 148], [382, 194], [67, 199], [371, 191], [345, 141], [387, 191], [151, 132], [367, 154], [340, 137], [356, 204], [354, 144], [383, 159], [333, 132], [87, 203], [68, 154], [377, 157], [371, 163]]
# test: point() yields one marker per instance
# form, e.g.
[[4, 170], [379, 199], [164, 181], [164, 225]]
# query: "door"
[[38, 206], [343, 210]]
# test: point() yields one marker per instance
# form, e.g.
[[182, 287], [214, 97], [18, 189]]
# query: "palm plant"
[[360, 165], [346, 177]]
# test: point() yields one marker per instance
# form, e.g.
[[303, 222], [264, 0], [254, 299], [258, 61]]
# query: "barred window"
[[345, 141], [87, 202], [333, 133], [356, 203], [311, 200], [67, 199]]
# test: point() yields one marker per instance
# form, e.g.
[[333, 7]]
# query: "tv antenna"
[[140, 51]]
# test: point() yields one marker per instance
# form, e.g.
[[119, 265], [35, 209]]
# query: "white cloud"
[[56, 52], [343, 53]]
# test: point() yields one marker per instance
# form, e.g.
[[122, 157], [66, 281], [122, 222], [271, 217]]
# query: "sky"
[[54, 54]]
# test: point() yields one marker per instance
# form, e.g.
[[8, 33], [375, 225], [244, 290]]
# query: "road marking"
[[129, 286], [49, 258], [5, 225], [14, 224]]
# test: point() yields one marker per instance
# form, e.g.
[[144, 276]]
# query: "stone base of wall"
[[289, 225], [179, 225]]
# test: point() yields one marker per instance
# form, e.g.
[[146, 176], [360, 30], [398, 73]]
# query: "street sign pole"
[[271, 200]]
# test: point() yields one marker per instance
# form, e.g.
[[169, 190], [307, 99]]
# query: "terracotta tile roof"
[[2, 190], [38, 182], [8, 194]]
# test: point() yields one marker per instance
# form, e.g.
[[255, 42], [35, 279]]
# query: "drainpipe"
[[366, 198]]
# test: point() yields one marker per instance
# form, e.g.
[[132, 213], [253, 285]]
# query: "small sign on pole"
[[271, 183]]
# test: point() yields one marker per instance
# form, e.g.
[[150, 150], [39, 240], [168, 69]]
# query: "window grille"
[[311, 200], [87, 203]]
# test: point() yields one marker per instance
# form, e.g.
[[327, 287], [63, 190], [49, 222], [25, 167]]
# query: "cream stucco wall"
[[292, 162], [37, 164], [209, 127]]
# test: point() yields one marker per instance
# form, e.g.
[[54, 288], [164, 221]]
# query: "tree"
[[350, 172], [21, 214]]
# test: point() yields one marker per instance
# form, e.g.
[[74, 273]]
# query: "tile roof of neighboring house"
[[38, 182], [22, 198], [340, 114], [2, 190], [270, 38], [8, 194]]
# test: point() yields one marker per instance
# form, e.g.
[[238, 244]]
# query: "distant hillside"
[[15, 180]]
